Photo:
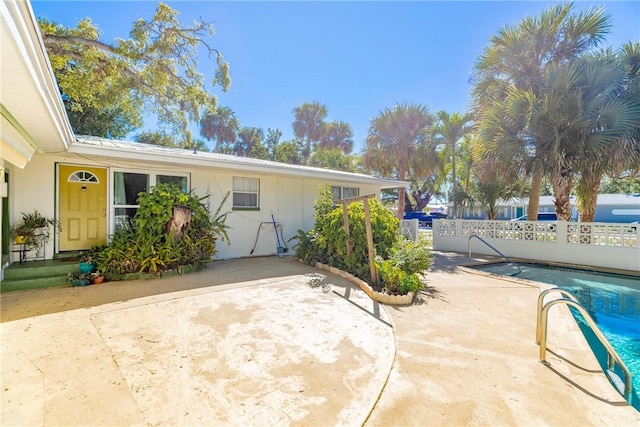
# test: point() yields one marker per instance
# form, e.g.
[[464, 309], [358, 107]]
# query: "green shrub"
[[399, 261], [410, 283], [395, 281], [142, 245], [307, 248], [411, 256], [327, 242]]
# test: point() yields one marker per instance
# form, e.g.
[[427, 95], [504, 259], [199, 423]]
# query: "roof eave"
[[192, 160]]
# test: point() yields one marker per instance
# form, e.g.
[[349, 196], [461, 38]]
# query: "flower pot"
[[21, 240], [97, 280], [87, 267], [79, 282]]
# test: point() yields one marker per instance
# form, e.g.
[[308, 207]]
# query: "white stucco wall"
[[290, 199], [606, 245]]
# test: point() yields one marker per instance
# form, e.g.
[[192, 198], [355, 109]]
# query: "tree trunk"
[[401, 194], [453, 173], [561, 180], [534, 194], [179, 222], [588, 197]]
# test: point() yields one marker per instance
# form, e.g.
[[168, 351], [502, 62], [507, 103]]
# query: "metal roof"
[[129, 150]]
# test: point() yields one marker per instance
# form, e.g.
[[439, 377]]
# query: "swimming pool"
[[613, 301]]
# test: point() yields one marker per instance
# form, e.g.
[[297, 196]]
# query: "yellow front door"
[[83, 207]]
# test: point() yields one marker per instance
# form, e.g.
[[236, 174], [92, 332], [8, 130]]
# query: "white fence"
[[409, 228], [607, 245]]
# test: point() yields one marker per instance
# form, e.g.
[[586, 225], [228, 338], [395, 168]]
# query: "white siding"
[[290, 199]]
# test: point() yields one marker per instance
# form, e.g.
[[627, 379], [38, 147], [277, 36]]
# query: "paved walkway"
[[266, 341]]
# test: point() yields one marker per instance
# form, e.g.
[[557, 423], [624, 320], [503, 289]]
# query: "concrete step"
[[37, 269], [33, 283]]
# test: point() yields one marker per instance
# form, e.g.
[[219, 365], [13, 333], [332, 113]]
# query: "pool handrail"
[[543, 294], [612, 356], [497, 251]]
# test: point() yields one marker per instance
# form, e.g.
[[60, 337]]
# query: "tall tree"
[[309, 124], [495, 180], [156, 138], [333, 158], [396, 137], [249, 140], [291, 152], [514, 63], [588, 123], [168, 140], [338, 135], [222, 125], [450, 130], [156, 68], [271, 142]]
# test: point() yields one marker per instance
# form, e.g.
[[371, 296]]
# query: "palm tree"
[[609, 120], [249, 138], [309, 124], [513, 66], [495, 180], [450, 130], [394, 143], [221, 125], [338, 135]]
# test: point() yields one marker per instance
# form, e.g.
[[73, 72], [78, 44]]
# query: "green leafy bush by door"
[[151, 244]]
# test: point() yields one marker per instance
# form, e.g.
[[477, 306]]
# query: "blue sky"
[[357, 58]]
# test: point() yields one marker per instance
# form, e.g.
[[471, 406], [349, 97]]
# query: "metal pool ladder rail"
[[612, 357], [497, 251]]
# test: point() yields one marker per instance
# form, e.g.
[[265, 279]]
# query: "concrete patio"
[[268, 341]]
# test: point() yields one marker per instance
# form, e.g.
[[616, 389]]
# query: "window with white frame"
[[127, 186], [340, 193], [246, 193]]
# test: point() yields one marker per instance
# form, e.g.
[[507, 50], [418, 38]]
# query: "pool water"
[[613, 301]]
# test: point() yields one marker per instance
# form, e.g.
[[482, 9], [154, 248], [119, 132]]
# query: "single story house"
[[90, 183], [617, 208]]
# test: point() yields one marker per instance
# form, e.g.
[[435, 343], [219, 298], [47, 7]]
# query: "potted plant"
[[20, 233], [33, 228], [96, 277], [78, 279], [87, 264]]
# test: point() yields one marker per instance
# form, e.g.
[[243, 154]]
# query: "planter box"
[[374, 295]]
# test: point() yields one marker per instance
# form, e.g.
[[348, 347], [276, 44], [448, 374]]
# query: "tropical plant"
[[338, 135], [333, 158], [156, 68], [249, 143], [586, 126], [508, 76], [35, 228], [397, 138], [611, 122], [309, 125], [450, 130], [147, 244], [621, 185], [495, 181], [327, 241], [220, 124], [291, 152]]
